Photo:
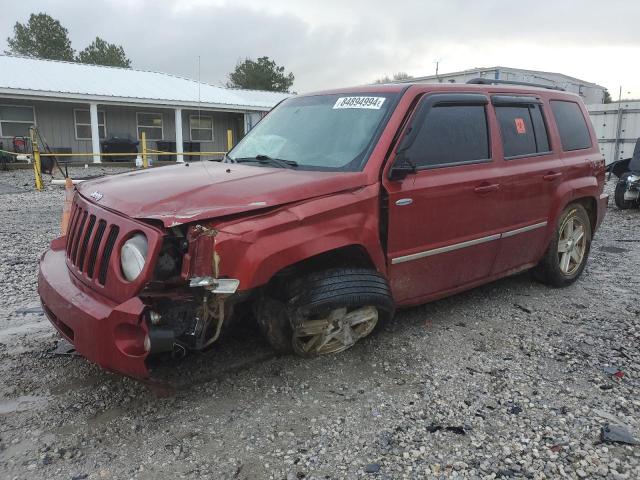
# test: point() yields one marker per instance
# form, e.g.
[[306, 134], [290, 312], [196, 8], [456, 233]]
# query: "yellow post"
[[145, 160], [229, 140], [66, 208], [37, 170]]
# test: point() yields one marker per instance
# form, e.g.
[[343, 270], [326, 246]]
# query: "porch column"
[[95, 133], [179, 156]]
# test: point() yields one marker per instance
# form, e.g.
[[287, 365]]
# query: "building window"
[[16, 120], [201, 128], [83, 124], [151, 124]]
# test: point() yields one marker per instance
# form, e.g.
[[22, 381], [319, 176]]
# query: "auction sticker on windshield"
[[373, 103]]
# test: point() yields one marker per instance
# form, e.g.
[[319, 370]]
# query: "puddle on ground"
[[22, 404], [23, 328], [37, 310], [74, 384], [612, 249], [106, 416], [24, 448]]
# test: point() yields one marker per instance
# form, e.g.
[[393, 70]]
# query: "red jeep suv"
[[336, 209]]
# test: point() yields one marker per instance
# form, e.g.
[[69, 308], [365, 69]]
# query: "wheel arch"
[[591, 206], [583, 191], [348, 255]]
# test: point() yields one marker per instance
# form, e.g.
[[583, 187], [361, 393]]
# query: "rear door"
[[442, 222], [532, 172]]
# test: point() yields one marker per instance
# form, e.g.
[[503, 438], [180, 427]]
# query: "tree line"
[[45, 37], [42, 36]]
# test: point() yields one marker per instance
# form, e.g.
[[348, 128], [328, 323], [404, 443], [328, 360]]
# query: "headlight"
[[133, 256]]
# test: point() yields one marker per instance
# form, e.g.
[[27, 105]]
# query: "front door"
[[444, 220]]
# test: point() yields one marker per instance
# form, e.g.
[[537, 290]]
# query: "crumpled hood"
[[180, 194]]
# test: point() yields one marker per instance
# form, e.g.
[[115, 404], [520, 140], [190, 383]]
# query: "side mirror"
[[401, 168]]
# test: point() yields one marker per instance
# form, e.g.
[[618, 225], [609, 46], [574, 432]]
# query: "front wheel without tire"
[[568, 251]]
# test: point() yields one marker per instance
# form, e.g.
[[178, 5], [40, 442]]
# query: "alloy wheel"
[[572, 245], [334, 332]]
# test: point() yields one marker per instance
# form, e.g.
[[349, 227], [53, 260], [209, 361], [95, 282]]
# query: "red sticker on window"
[[520, 128]]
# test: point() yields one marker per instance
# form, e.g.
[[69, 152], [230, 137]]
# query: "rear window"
[[522, 129], [451, 135], [572, 126]]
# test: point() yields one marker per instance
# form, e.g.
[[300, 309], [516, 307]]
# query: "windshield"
[[321, 132]]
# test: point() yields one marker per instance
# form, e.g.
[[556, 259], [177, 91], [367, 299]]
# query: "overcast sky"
[[333, 43]]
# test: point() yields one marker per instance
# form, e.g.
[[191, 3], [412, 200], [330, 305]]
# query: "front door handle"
[[487, 188], [551, 176]]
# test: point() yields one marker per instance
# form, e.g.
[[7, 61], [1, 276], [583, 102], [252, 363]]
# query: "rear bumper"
[[102, 331], [603, 201]]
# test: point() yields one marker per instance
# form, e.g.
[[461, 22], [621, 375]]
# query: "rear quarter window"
[[574, 133]]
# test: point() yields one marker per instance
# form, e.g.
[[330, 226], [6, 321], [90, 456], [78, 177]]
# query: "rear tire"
[[326, 312], [621, 188], [567, 254]]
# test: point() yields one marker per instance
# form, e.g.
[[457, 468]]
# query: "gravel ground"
[[507, 380]]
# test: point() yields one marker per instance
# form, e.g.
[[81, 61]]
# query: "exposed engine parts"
[[186, 312], [191, 324], [209, 320]]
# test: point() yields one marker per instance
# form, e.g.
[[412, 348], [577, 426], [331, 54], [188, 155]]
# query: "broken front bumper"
[[102, 331]]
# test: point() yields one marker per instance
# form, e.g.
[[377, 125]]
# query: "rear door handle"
[[551, 176], [487, 188]]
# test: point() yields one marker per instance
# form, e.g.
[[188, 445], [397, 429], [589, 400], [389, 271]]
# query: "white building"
[[78, 107], [590, 92]]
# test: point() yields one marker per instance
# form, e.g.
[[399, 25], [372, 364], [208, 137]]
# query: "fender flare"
[[567, 193], [307, 250]]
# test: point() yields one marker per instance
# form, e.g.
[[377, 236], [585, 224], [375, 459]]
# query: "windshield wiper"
[[266, 159]]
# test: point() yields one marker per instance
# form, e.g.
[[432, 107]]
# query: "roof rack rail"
[[491, 81]]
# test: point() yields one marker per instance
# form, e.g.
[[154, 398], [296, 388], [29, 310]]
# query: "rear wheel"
[[621, 188], [568, 251], [326, 312]]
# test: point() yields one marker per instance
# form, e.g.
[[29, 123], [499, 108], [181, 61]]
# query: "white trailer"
[[617, 127]]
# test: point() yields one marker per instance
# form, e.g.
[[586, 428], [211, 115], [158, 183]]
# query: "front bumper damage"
[[109, 334], [121, 337]]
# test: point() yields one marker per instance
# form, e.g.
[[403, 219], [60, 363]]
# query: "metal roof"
[[25, 76], [472, 71]]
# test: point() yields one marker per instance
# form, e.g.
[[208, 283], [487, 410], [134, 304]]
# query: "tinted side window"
[[572, 126], [522, 129], [540, 129], [451, 134]]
